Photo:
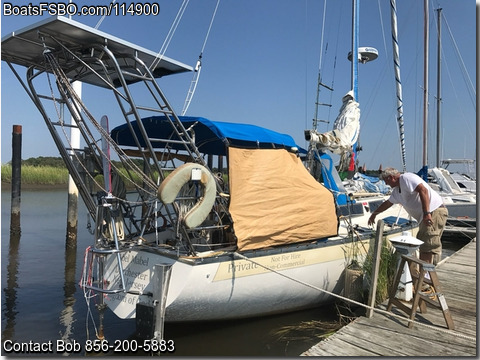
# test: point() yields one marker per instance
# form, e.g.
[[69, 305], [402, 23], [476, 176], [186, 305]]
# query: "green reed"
[[386, 272], [37, 175]]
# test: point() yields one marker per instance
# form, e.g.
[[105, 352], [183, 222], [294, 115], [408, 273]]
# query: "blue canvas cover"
[[211, 137]]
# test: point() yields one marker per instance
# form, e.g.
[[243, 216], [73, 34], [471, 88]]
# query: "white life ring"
[[170, 187]]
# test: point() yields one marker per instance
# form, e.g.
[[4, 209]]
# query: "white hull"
[[222, 288], [460, 203], [225, 286]]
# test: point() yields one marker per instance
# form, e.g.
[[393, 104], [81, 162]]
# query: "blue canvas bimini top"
[[211, 137]]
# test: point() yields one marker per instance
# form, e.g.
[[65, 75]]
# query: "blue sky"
[[261, 63]]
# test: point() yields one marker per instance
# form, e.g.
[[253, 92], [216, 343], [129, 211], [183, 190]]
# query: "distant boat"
[[461, 205], [465, 182], [463, 178]]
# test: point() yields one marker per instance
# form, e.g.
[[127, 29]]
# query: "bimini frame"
[[71, 52]]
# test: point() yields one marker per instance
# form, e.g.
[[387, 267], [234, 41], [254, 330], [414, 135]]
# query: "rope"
[[87, 294], [353, 301]]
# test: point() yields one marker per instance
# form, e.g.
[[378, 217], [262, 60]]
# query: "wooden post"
[[377, 251], [10, 293], [72, 211], [16, 178]]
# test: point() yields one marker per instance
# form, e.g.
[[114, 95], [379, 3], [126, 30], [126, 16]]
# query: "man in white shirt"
[[423, 204]]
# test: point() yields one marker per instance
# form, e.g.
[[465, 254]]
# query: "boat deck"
[[387, 335]]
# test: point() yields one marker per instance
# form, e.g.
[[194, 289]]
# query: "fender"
[[170, 187]]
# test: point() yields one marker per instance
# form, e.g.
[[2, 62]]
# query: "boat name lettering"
[[137, 259], [126, 298], [135, 275], [129, 284], [119, 297]]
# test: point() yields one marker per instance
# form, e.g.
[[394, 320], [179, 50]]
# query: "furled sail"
[[345, 129], [398, 81]]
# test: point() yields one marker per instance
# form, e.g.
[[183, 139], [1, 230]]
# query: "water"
[[41, 299]]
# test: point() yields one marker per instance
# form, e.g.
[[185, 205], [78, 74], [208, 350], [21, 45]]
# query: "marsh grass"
[[37, 175], [54, 175], [310, 332], [386, 273], [306, 331]]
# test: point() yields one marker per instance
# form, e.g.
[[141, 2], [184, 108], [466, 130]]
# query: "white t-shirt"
[[406, 195]]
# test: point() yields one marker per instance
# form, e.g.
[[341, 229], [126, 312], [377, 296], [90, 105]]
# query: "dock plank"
[[388, 334]]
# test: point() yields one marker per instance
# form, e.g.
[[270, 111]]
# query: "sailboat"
[[195, 219], [357, 194], [461, 205]]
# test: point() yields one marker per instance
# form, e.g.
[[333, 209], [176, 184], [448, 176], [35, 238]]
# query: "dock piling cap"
[[406, 239]]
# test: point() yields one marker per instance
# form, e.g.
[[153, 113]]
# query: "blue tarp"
[[374, 184], [423, 173], [211, 137]]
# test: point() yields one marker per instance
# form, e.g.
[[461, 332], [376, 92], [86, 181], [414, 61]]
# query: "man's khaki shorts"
[[432, 235]]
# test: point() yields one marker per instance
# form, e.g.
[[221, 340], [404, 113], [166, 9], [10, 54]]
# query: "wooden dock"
[[385, 334]]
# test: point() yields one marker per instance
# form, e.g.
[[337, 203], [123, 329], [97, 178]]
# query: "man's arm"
[[384, 206], [425, 199]]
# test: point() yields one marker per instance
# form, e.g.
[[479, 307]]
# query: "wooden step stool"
[[420, 299]]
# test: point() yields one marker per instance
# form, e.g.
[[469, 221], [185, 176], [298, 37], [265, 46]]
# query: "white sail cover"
[[345, 129]]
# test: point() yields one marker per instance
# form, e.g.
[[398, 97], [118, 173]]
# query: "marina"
[[205, 228], [193, 217], [60, 306], [386, 335]]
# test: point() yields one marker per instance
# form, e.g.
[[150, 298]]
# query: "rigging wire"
[[465, 74], [102, 18], [315, 118], [169, 36], [198, 67], [321, 67]]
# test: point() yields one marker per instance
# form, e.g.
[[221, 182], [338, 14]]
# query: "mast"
[[425, 85], [355, 6], [439, 83], [396, 65]]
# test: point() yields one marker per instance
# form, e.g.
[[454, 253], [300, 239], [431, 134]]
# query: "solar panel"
[[71, 41]]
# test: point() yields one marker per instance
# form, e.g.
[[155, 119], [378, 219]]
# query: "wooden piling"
[[376, 266], [16, 178], [72, 211]]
